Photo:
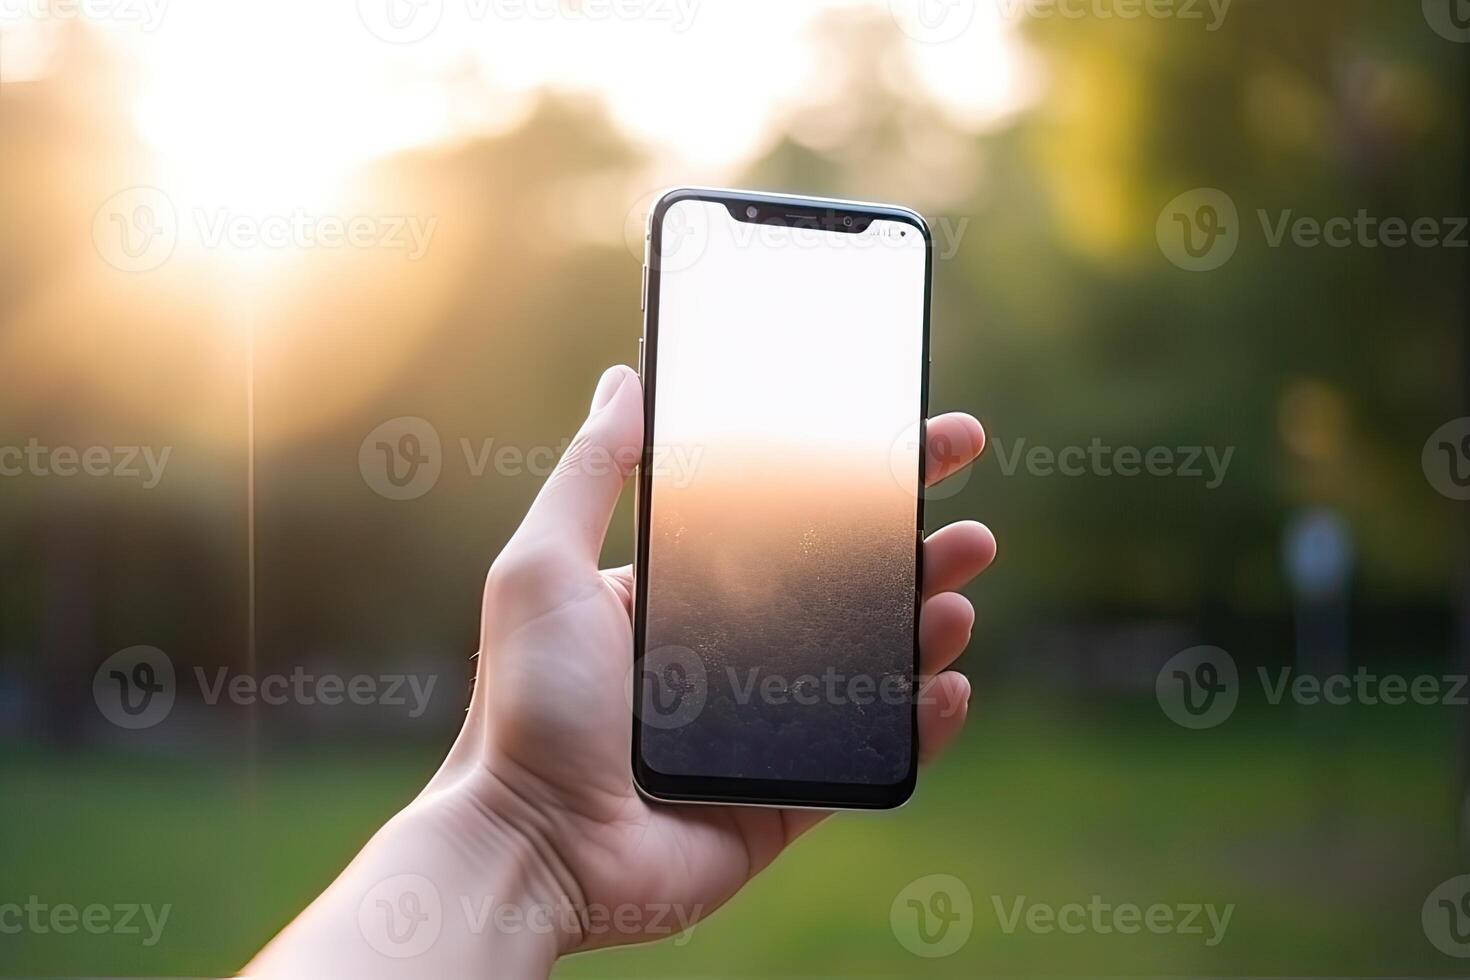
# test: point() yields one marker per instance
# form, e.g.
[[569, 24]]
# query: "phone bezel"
[[672, 788]]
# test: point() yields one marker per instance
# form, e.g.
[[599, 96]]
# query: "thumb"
[[576, 502]]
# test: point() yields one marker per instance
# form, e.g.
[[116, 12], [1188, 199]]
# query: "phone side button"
[[643, 293], [640, 357]]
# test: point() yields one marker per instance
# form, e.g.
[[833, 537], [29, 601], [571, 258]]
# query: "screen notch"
[[791, 215]]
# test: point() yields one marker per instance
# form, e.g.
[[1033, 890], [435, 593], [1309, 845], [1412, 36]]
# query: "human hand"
[[535, 804]]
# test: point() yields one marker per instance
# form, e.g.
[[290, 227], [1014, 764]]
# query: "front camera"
[[847, 221], [752, 211]]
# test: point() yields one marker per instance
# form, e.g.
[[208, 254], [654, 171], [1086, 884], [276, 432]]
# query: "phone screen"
[[784, 500]]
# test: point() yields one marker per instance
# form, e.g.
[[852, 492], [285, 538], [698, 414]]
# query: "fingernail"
[[612, 380]]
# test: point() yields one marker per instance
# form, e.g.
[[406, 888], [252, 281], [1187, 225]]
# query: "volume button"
[[643, 295], [640, 357]]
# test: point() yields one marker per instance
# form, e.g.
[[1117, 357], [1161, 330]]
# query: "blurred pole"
[[1319, 562], [1462, 720], [1318, 552]]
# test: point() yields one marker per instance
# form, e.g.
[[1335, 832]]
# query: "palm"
[[568, 731]]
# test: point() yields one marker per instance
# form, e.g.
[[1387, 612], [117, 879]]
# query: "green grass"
[[1326, 832]]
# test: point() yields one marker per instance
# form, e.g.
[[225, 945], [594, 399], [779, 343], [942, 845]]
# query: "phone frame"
[[774, 208]]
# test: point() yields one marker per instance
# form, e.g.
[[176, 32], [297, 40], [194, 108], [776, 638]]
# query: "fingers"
[[945, 623], [955, 554], [944, 701], [576, 503], [951, 442]]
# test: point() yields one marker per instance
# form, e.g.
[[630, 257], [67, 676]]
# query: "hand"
[[536, 798]]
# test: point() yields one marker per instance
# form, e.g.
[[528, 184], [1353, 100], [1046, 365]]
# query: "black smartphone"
[[780, 504]]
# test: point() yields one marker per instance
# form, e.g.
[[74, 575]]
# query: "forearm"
[[444, 890]]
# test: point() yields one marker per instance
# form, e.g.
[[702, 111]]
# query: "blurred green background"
[[1044, 149]]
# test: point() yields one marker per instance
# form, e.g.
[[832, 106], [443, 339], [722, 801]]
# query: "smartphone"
[[779, 502]]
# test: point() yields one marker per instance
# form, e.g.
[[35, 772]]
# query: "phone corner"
[[903, 793], [913, 218], [666, 199], [640, 780]]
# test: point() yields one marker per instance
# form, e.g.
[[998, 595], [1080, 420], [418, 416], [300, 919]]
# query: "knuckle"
[[525, 569]]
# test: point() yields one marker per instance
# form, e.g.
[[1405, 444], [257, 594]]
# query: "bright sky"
[[282, 96]]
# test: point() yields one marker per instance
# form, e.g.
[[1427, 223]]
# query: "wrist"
[[453, 886], [509, 869]]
